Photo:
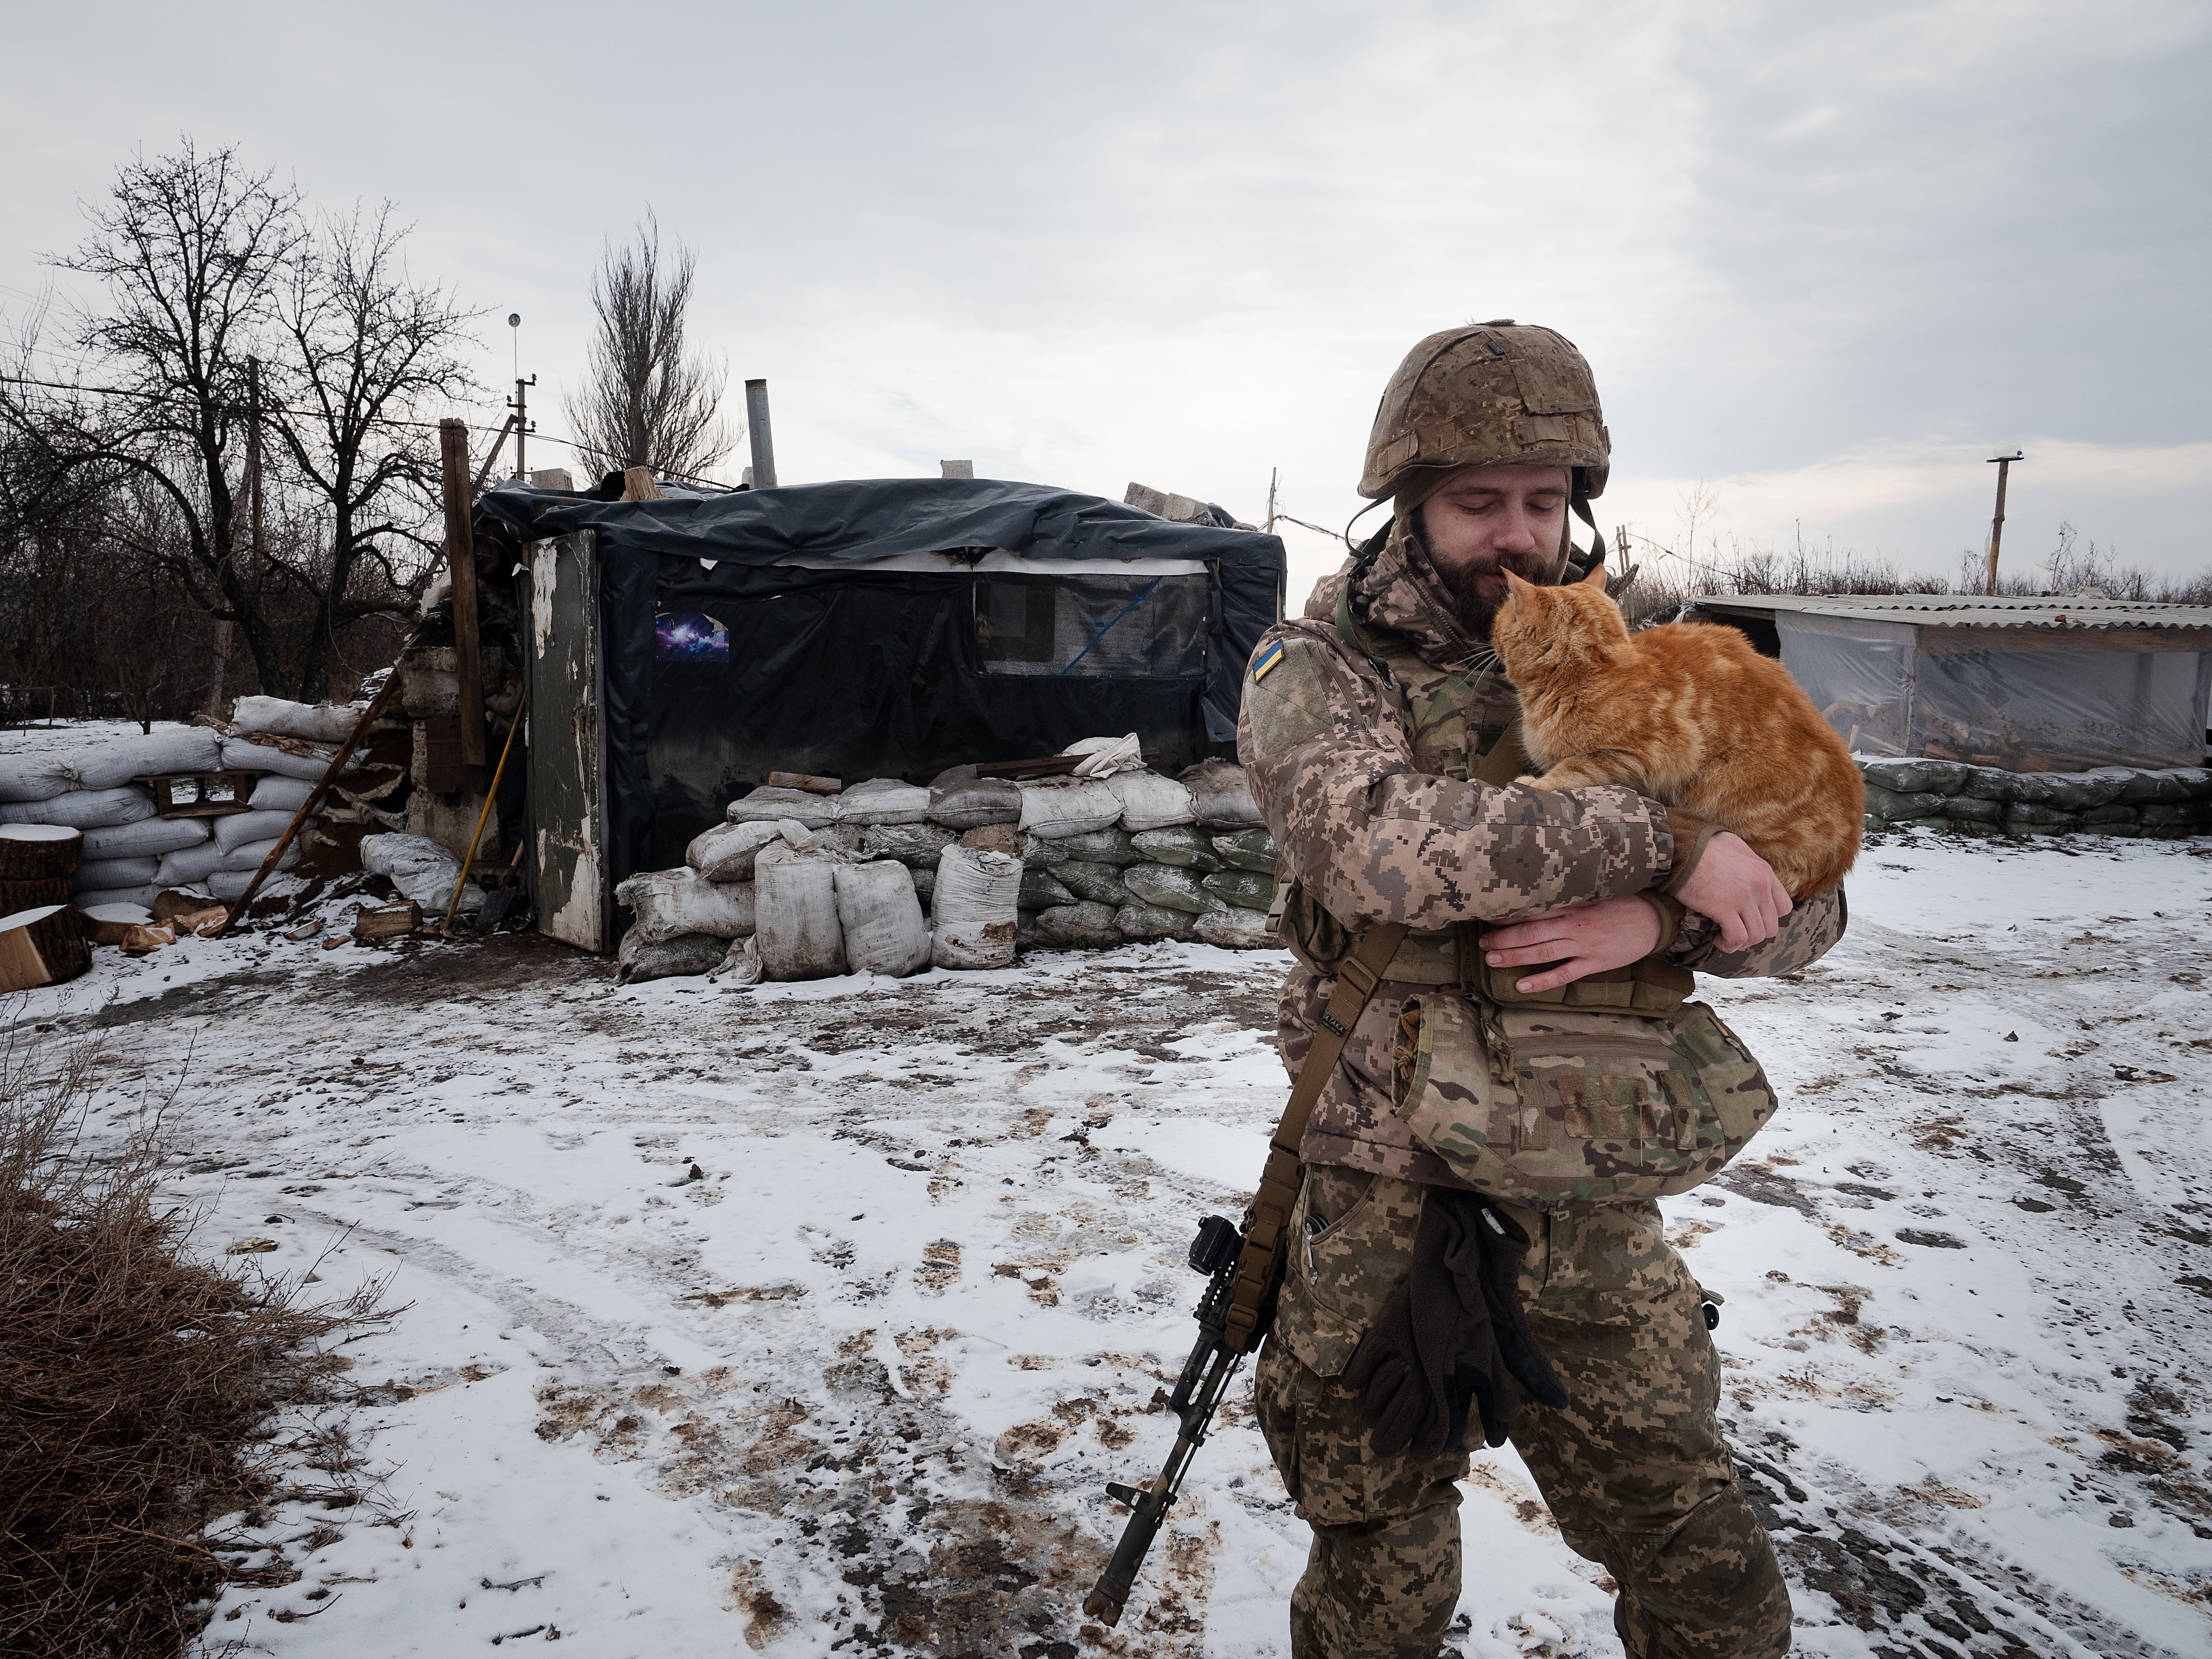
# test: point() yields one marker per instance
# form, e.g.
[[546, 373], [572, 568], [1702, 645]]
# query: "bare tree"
[[644, 402], [369, 354]]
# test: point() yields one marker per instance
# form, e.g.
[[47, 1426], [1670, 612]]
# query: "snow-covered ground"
[[816, 1317]]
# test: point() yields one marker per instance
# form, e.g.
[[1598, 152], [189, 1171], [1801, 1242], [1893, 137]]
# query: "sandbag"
[[1115, 846], [881, 918], [1150, 802], [1102, 757], [83, 809], [882, 801], [1041, 890], [1168, 885], [112, 898], [977, 894], [687, 953], [109, 765], [799, 935], [772, 802], [275, 795], [681, 901], [925, 884], [35, 777], [1148, 921], [1219, 794], [1249, 850], [1185, 846], [317, 722], [148, 838], [247, 857], [1236, 929], [1067, 806], [1078, 926], [960, 800], [113, 872], [1100, 883], [420, 868], [915, 845], [742, 965], [228, 883], [234, 829], [1248, 888], [726, 852], [187, 867], [241, 754]]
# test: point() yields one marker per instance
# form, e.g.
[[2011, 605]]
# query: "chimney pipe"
[[763, 444]]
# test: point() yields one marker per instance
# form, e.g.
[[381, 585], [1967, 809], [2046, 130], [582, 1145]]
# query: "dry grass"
[[139, 1390]]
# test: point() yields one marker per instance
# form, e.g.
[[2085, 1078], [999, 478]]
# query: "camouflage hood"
[[1402, 594]]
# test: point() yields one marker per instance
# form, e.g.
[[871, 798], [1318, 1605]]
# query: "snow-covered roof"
[[1971, 609]]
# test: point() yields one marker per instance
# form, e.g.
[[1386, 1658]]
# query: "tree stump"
[[29, 894], [42, 947], [38, 852]]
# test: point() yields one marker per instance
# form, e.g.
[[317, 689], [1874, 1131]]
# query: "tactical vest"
[[1613, 1087]]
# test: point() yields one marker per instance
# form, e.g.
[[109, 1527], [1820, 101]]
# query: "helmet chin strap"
[[1567, 541]]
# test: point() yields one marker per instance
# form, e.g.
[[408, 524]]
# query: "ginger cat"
[[1689, 713]]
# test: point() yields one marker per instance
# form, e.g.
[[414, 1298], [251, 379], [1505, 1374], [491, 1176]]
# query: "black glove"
[[1440, 1345]]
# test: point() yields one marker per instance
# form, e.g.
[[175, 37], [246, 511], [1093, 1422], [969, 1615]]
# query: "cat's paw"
[[1531, 779]]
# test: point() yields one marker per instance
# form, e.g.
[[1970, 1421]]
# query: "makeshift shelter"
[[681, 649], [2047, 685]]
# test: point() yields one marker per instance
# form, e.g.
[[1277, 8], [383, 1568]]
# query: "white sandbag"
[[119, 903], [681, 901], [974, 908], [148, 838], [113, 872], [881, 918], [232, 883], [35, 777], [186, 749], [1068, 806], [1236, 929], [1078, 926], [1150, 802], [1151, 921], [241, 754], [726, 852], [234, 829], [83, 809], [882, 801], [1104, 756], [420, 868], [773, 801], [188, 865], [959, 800], [1220, 795], [742, 965], [318, 722], [685, 954], [275, 795], [246, 857], [799, 935]]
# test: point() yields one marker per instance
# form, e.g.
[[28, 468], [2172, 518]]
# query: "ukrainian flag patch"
[[1269, 659]]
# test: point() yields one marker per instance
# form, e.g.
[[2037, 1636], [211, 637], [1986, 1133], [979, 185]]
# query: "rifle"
[[1243, 1270]]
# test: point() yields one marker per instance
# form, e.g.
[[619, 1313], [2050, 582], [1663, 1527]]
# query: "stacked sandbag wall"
[[994, 865], [1963, 800]]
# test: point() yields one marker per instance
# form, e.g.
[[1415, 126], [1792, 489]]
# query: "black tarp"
[[868, 672]]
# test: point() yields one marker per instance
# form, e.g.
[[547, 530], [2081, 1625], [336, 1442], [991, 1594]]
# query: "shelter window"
[[1137, 626]]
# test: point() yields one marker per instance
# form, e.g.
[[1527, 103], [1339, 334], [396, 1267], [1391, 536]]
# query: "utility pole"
[[461, 562], [764, 440], [2003, 464], [1274, 473], [520, 405]]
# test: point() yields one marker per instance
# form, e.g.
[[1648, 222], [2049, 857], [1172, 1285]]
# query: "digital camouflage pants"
[[1633, 1466]]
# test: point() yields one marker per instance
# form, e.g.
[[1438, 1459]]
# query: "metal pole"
[[520, 403], [2003, 464], [763, 444], [460, 555]]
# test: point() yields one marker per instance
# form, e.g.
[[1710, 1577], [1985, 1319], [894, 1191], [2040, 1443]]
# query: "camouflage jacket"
[[1367, 787]]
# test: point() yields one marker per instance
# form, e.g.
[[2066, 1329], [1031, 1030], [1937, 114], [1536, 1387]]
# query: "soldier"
[[1368, 734]]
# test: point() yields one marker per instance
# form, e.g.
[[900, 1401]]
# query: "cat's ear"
[[1517, 586], [1596, 575]]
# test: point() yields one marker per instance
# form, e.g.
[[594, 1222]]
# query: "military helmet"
[[1496, 393]]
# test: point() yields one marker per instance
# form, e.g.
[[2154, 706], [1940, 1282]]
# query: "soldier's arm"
[[1804, 937], [1375, 840]]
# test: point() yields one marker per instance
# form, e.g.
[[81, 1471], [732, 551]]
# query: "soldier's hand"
[[1582, 939], [1734, 886]]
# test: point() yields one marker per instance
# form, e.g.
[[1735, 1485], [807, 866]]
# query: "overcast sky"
[[1823, 258]]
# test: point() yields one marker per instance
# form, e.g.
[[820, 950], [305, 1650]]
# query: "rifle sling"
[[1257, 1265]]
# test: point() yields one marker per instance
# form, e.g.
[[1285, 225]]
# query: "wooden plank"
[[806, 781]]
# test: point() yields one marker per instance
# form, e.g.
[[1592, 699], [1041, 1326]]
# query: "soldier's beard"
[[1478, 588]]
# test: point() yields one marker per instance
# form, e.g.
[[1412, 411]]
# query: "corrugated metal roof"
[[1969, 609]]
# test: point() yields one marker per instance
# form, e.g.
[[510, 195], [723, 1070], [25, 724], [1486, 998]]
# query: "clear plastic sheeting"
[[2062, 711], [1858, 674]]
